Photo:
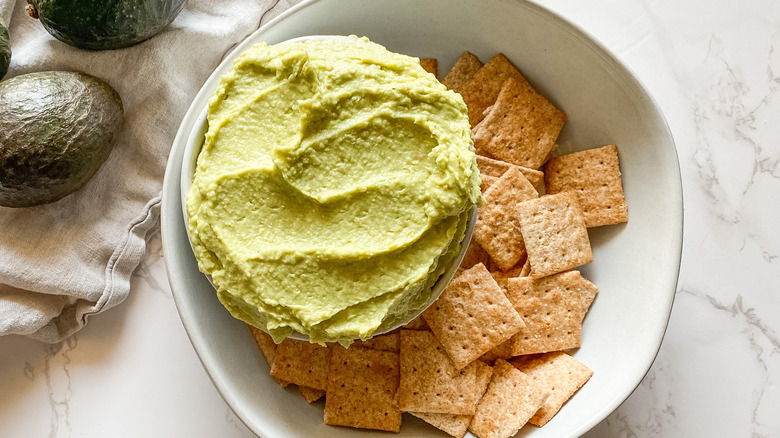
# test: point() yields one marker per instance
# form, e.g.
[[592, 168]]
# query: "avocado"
[[104, 24], [56, 130], [5, 49]]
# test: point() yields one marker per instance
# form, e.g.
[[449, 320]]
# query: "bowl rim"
[[670, 281]]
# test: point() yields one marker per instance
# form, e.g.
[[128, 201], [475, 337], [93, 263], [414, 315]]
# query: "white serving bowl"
[[635, 264]]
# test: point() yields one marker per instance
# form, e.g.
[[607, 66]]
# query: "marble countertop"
[[713, 68]]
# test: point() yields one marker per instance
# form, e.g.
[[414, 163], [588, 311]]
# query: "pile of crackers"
[[492, 354]]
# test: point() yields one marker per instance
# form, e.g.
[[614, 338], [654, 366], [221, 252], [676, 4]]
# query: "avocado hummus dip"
[[333, 188]]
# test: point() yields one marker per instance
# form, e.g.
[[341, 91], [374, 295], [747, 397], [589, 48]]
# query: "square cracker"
[[302, 363], [552, 312], [268, 348], [486, 182], [510, 401], [475, 254], [457, 425], [554, 234], [462, 71], [501, 277], [311, 395], [521, 128], [498, 228], [361, 389], [472, 315], [496, 168], [500, 351], [593, 174], [588, 290], [417, 324], [431, 65], [266, 344], [560, 373], [429, 381], [386, 342], [483, 88]]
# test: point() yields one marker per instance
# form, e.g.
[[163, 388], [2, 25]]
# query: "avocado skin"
[[105, 24], [5, 49], [56, 130]]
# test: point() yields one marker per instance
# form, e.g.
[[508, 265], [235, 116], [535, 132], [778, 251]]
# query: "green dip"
[[333, 188]]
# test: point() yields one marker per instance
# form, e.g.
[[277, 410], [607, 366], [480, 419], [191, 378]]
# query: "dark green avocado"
[[104, 24], [5, 49], [56, 130]]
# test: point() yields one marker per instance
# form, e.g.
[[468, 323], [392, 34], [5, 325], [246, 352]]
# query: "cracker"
[[483, 153], [492, 167], [452, 424], [560, 373], [593, 174], [552, 312], [486, 182], [429, 381], [302, 363], [510, 401], [484, 87], [502, 276], [588, 292], [472, 315], [431, 65], [475, 254], [361, 388], [386, 342], [554, 233], [569, 280], [268, 348], [417, 324], [500, 351], [457, 425], [462, 71], [526, 270], [498, 229], [521, 128], [266, 344], [311, 395]]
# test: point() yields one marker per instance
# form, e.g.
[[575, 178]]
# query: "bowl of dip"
[[635, 264], [329, 189]]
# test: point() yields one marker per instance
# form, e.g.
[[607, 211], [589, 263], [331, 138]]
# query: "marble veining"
[[58, 382], [763, 342], [144, 270]]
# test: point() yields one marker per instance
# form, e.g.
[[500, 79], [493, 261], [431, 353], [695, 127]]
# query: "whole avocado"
[[56, 130], [104, 24], [5, 49]]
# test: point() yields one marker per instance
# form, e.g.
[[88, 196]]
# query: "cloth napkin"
[[63, 262]]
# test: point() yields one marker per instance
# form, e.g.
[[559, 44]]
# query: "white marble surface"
[[714, 69]]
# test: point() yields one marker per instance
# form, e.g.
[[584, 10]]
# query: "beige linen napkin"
[[62, 262]]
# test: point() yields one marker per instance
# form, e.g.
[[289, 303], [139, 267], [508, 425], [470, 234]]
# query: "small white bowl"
[[635, 264], [189, 160]]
